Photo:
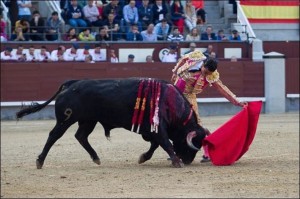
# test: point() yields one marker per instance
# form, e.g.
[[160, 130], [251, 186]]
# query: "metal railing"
[[6, 18], [243, 20]]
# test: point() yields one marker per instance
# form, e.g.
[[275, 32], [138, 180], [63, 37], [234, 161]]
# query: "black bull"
[[112, 103]]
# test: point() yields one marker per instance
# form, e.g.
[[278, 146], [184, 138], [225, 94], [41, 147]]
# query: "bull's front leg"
[[165, 143]]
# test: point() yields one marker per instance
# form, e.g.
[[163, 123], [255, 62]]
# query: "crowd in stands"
[[127, 20]]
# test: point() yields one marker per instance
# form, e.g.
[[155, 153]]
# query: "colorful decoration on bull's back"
[[153, 89]]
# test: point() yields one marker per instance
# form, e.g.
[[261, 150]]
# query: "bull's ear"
[[189, 139]]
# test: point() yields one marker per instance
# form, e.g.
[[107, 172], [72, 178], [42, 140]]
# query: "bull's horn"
[[189, 138]]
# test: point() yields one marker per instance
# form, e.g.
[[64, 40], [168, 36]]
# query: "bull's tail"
[[35, 107]]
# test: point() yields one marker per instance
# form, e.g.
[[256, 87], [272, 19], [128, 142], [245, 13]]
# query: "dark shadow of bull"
[[111, 103]]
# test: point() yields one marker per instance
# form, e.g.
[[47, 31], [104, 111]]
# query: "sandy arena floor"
[[269, 169]]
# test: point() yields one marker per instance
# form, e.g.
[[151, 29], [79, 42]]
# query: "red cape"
[[231, 141]]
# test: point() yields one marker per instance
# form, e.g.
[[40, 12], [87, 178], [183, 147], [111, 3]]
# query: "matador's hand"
[[242, 104]]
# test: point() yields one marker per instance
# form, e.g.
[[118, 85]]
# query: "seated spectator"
[[149, 59], [112, 26], [130, 58], [114, 7], [175, 36], [131, 16], [161, 29], [75, 15], [97, 53], [3, 35], [113, 57], [192, 48], [91, 14], [58, 54], [209, 52], [209, 34], [37, 26], [18, 35], [21, 32], [71, 35], [103, 35], [53, 27], [234, 36], [145, 14], [86, 35], [134, 34], [149, 34], [193, 35], [160, 11], [6, 55], [221, 36], [177, 15], [89, 59], [19, 54], [171, 56], [190, 15], [72, 54], [43, 55], [31, 55], [24, 10]]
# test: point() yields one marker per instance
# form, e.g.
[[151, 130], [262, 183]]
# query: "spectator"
[[200, 12], [175, 36], [145, 14], [43, 55], [18, 35], [75, 15], [134, 34], [171, 56], [53, 27], [130, 58], [192, 48], [100, 7], [221, 36], [24, 10], [233, 59], [25, 27], [149, 34], [190, 15], [19, 53], [37, 26], [6, 55], [177, 15], [58, 54], [115, 8], [72, 54], [161, 29], [31, 55], [71, 35], [149, 59], [97, 54], [193, 35], [89, 59], [234, 36], [160, 11], [209, 52], [2, 28], [131, 16], [86, 35], [103, 35], [112, 26], [113, 57], [209, 34], [92, 14], [83, 53]]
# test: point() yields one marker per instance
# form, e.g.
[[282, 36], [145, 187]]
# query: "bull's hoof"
[[39, 164], [177, 163], [142, 159], [97, 161]]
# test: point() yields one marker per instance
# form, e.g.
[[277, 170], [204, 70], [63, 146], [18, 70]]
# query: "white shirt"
[[68, 56], [54, 56], [30, 57], [81, 55], [169, 57], [41, 57], [91, 13], [7, 57], [98, 56], [114, 60]]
